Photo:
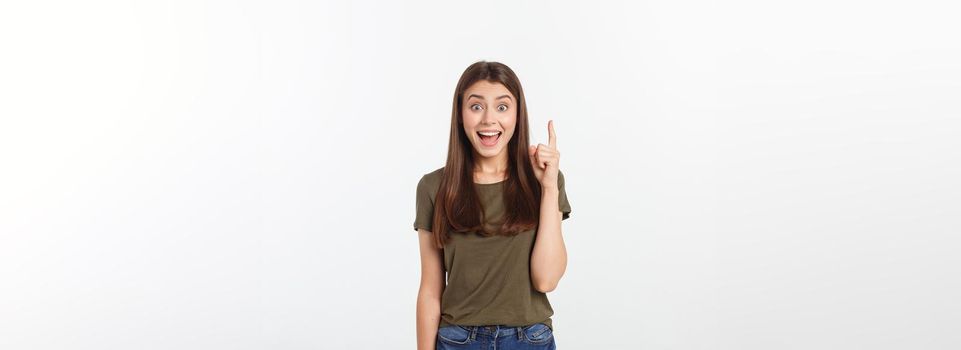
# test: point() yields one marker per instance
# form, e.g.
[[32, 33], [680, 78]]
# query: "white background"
[[241, 175]]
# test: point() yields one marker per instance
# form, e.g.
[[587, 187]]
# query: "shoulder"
[[433, 177], [430, 182]]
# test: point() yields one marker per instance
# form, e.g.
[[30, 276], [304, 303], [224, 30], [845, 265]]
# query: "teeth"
[[489, 133]]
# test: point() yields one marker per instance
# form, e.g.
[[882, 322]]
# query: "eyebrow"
[[482, 97]]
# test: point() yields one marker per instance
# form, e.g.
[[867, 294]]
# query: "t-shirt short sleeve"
[[425, 205], [563, 204]]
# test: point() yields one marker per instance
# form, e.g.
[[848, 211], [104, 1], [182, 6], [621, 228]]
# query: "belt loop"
[[520, 333], [473, 333]]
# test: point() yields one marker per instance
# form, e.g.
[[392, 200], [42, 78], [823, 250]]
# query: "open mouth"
[[489, 138]]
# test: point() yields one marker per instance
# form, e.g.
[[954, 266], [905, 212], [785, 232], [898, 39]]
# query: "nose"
[[487, 119]]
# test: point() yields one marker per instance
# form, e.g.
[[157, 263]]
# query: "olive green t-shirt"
[[488, 278]]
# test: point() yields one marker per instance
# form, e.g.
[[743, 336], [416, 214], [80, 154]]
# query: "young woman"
[[490, 222]]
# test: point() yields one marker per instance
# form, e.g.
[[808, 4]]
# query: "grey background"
[[241, 175]]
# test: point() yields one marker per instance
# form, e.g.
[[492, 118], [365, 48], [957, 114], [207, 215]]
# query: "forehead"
[[489, 90]]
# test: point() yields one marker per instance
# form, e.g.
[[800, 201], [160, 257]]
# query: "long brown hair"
[[457, 203]]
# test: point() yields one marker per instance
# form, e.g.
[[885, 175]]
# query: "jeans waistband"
[[495, 331]]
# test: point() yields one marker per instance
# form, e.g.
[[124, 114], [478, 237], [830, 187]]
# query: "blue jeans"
[[533, 337]]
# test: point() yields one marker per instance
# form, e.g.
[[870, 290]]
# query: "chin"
[[488, 153]]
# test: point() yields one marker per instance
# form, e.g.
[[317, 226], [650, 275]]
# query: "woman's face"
[[489, 109]]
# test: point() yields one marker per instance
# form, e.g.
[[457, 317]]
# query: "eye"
[[502, 108], [475, 107]]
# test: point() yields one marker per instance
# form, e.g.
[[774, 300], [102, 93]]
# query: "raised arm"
[[549, 256]]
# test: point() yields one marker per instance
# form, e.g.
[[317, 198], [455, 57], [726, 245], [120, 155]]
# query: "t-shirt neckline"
[[492, 183]]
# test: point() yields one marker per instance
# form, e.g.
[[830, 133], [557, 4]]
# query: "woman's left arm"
[[549, 256]]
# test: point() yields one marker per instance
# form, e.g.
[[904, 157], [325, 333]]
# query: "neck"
[[495, 165]]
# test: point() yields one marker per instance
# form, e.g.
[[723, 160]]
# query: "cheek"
[[512, 117], [510, 122], [467, 123], [470, 117], [509, 128]]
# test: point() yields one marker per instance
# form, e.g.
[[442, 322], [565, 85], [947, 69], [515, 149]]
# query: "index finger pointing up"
[[551, 137]]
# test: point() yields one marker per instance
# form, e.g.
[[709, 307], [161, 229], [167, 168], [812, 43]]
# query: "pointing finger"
[[551, 137]]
